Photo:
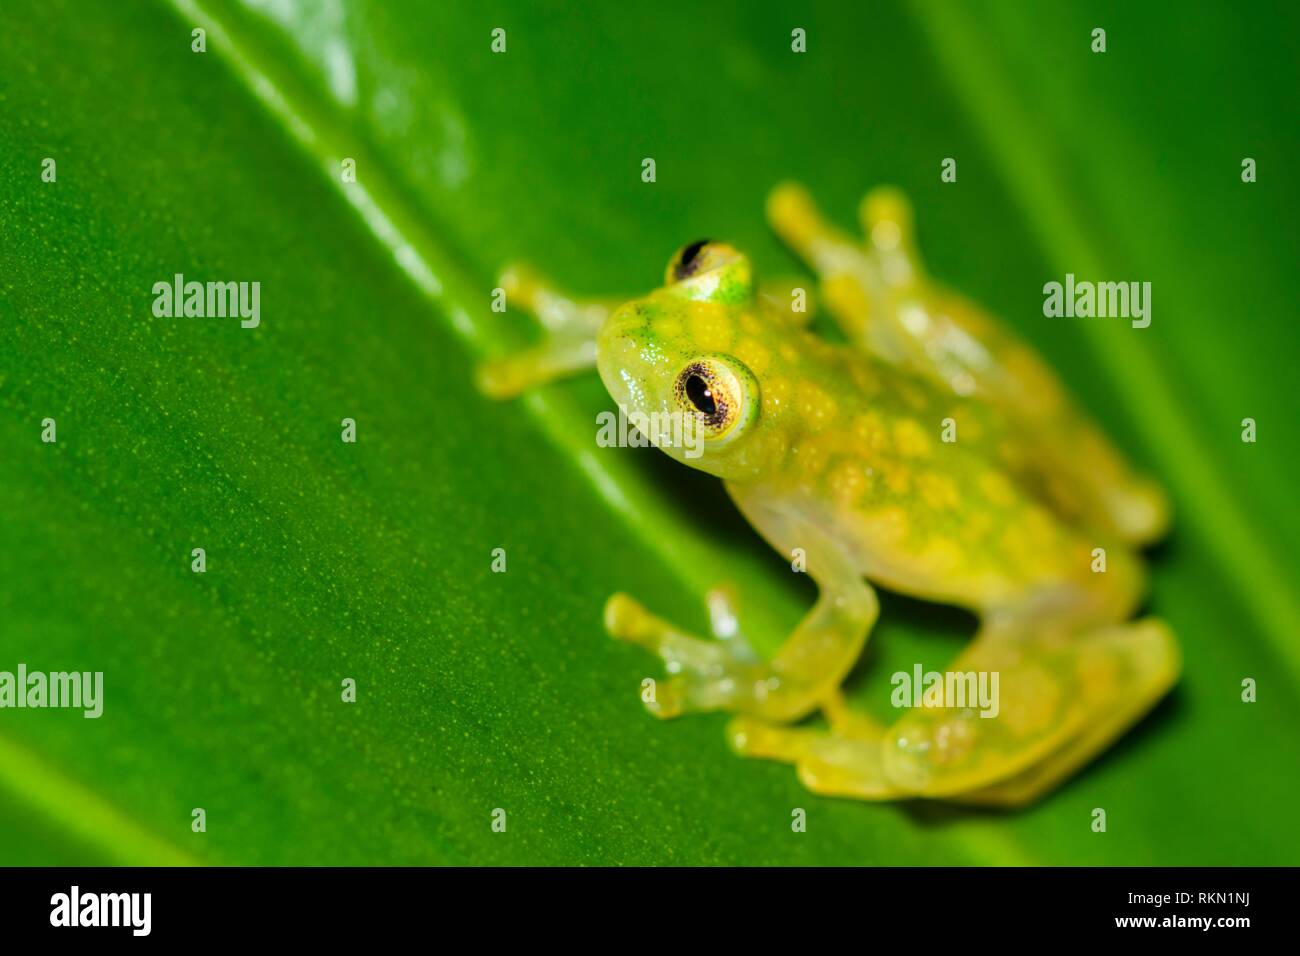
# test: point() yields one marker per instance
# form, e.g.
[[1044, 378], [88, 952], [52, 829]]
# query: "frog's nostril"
[[688, 259]]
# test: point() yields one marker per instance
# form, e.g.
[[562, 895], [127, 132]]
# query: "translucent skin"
[[935, 455]]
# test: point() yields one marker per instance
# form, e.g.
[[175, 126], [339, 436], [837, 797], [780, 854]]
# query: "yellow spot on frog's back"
[[910, 439], [888, 526], [710, 327], [755, 355], [815, 405], [997, 488], [976, 525], [940, 556], [869, 432], [938, 491], [750, 323], [847, 482], [898, 478]]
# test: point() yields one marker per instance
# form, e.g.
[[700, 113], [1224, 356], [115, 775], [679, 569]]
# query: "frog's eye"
[[707, 265], [720, 392], [689, 260], [709, 271]]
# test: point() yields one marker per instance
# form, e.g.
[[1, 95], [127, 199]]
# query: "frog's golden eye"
[[719, 392]]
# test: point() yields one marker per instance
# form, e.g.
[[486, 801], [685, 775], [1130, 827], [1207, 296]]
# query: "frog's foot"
[[721, 674], [1063, 700], [886, 259], [862, 282], [832, 763], [846, 761], [704, 675], [850, 282], [568, 345], [886, 217], [1118, 674]]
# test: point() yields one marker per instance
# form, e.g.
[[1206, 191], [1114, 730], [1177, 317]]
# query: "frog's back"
[[916, 482]]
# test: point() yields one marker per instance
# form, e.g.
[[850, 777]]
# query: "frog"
[[929, 451]]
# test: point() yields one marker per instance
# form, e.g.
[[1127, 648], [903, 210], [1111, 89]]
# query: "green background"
[[371, 561]]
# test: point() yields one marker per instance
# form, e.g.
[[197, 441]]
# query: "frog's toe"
[[627, 619], [665, 700], [625, 616], [756, 738], [833, 764], [704, 675], [690, 693], [568, 343], [505, 377], [561, 353]]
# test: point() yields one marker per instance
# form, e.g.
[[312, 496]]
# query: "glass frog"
[[934, 454]]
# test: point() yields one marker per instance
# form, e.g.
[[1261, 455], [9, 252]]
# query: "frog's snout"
[[619, 357], [622, 338]]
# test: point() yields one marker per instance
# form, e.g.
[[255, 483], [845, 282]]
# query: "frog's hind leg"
[[568, 345], [1150, 666], [853, 286], [1060, 700], [845, 761]]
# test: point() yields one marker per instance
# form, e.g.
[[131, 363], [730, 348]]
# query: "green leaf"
[[371, 561]]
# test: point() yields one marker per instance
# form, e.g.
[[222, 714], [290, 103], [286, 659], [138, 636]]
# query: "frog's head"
[[673, 361]]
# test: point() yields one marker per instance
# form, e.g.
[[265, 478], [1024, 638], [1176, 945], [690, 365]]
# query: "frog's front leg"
[[569, 329], [725, 674]]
